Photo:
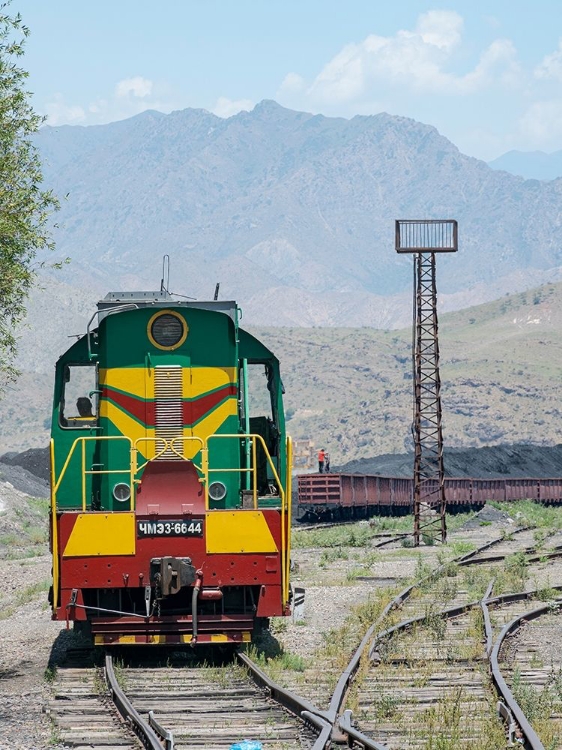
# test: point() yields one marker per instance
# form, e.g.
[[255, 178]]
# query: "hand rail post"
[[54, 529]]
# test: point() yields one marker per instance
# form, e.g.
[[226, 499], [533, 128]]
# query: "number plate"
[[175, 527]]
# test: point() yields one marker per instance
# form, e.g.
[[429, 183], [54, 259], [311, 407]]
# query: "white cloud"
[[292, 82], [417, 61], [439, 28], [551, 65], [137, 86], [541, 125], [130, 97], [228, 107], [60, 113]]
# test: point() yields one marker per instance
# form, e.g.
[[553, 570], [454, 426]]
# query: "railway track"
[[462, 672], [427, 677], [430, 682], [82, 714], [211, 707], [526, 660]]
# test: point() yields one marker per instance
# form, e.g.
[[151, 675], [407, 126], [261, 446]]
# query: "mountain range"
[[293, 213], [536, 165], [350, 389]]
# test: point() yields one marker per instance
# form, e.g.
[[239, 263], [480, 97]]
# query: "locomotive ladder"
[[425, 238]]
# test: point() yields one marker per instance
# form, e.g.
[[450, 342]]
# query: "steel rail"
[[328, 722], [487, 622], [347, 676], [299, 707], [532, 740], [140, 727], [500, 684], [367, 742]]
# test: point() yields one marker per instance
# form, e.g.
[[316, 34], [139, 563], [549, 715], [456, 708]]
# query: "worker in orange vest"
[[321, 457]]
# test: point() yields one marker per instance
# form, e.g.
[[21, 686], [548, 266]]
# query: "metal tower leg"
[[430, 522]]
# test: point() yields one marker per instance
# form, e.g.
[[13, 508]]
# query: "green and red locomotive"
[[170, 476]]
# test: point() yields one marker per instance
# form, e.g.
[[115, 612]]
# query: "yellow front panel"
[[129, 380], [199, 380], [232, 532], [124, 423], [102, 534], [139, 381]]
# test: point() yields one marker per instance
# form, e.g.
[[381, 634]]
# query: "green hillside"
[[351, 388], [501, 366]]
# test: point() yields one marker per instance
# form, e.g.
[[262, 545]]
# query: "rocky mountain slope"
[[293, 213], [351, 388]]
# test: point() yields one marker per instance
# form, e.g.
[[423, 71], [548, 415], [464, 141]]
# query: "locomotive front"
[[170, 476]]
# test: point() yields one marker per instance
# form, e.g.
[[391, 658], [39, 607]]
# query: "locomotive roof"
[[163, 299]]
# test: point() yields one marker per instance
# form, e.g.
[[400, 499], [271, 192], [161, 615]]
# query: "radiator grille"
[[168, 408]]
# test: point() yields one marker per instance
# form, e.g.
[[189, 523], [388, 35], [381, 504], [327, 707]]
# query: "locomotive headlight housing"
[[167, 330], [217, 491], [122, 492]]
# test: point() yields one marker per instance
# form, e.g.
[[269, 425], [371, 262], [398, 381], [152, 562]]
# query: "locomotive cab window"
[[258, 413], [79, 397]]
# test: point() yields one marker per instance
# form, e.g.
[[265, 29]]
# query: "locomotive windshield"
[[79, 399]]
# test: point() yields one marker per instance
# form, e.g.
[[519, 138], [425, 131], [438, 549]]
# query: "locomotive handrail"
[[284, 492], [118, 309], [286, 543], [251, 436], [85, 472], [168, 445], [187, 438], [54, 528]]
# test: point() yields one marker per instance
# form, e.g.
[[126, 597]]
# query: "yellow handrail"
[[82, 442], [168, 445], [284, 490], [253, 437], [289, 489], [54, 529]]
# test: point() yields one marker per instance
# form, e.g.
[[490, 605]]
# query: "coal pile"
[[488, 515], [27, 472], [35, 460], [492, 462]]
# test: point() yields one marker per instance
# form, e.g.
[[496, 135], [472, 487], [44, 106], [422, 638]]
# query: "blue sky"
[[488, 75]]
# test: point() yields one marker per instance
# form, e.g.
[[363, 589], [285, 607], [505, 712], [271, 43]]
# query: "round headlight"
[[217, 491], [122, 492], [168, 330]]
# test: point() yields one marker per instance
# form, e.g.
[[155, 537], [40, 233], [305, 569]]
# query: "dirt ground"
[[30, 641]]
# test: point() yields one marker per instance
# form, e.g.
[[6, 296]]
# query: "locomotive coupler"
[[170, 574]]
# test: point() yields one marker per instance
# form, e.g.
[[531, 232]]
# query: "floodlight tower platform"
[[424, 238]]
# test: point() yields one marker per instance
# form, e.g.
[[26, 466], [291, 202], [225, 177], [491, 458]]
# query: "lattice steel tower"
[[425, 238]]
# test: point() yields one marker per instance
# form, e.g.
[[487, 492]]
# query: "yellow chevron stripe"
[[128, 426], [211, 423], [124, 423], [138, 381], [131, 380]]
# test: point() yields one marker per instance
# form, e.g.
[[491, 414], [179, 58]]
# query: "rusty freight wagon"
[[343, 496]]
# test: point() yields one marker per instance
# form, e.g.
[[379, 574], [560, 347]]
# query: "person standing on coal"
[[321, 457]]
